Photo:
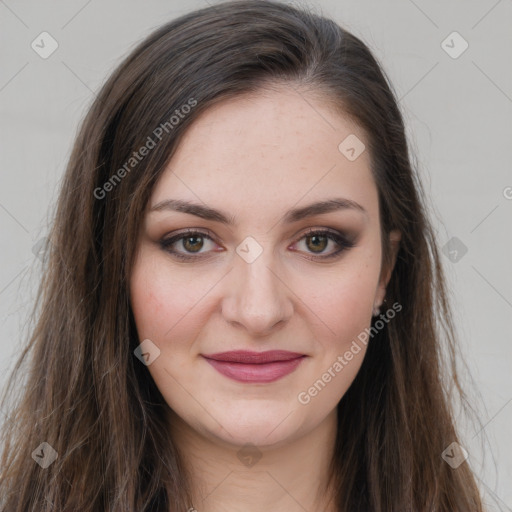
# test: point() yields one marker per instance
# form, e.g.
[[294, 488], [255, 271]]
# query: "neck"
[[227, 478]]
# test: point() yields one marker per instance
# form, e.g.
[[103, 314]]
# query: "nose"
[[257, 298]]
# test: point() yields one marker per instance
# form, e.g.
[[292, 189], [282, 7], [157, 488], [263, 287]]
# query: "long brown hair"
[[91, 399]]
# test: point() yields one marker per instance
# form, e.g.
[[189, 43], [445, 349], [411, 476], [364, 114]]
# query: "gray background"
[[457, 112]]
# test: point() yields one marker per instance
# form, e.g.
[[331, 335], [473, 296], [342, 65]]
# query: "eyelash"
[[339, 239]]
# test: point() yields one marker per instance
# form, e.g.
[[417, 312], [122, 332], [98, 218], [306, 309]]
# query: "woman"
[[244, 306]]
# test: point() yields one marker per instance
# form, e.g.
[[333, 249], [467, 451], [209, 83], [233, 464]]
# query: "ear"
[[394, 237]]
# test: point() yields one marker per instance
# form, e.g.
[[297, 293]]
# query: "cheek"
[[345, 298], [164, 310], [147, 299], [341, 337], [160, 302]]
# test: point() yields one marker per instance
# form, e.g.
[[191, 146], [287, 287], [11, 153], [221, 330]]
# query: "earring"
[[376, 311]]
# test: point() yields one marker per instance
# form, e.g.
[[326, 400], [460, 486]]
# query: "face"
[[253, 272]]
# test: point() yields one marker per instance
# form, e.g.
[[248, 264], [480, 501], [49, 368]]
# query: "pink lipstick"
[[254, 367]]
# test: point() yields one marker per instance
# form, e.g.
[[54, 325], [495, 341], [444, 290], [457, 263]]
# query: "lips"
[[254, 367], [246, 356]]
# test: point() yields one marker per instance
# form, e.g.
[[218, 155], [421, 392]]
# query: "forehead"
[[266, 152]]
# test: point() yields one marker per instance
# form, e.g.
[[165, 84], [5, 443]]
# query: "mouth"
[[255, 367]]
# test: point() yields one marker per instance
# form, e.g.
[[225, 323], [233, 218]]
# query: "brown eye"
[[318, 242], [193, 243]]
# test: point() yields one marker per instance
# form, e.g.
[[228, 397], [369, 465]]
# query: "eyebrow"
[[293, 215]]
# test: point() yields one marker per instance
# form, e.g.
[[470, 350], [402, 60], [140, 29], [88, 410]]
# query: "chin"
[[262, 425]]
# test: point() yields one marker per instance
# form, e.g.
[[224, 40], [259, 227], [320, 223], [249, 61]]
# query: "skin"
[[254, 158]]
